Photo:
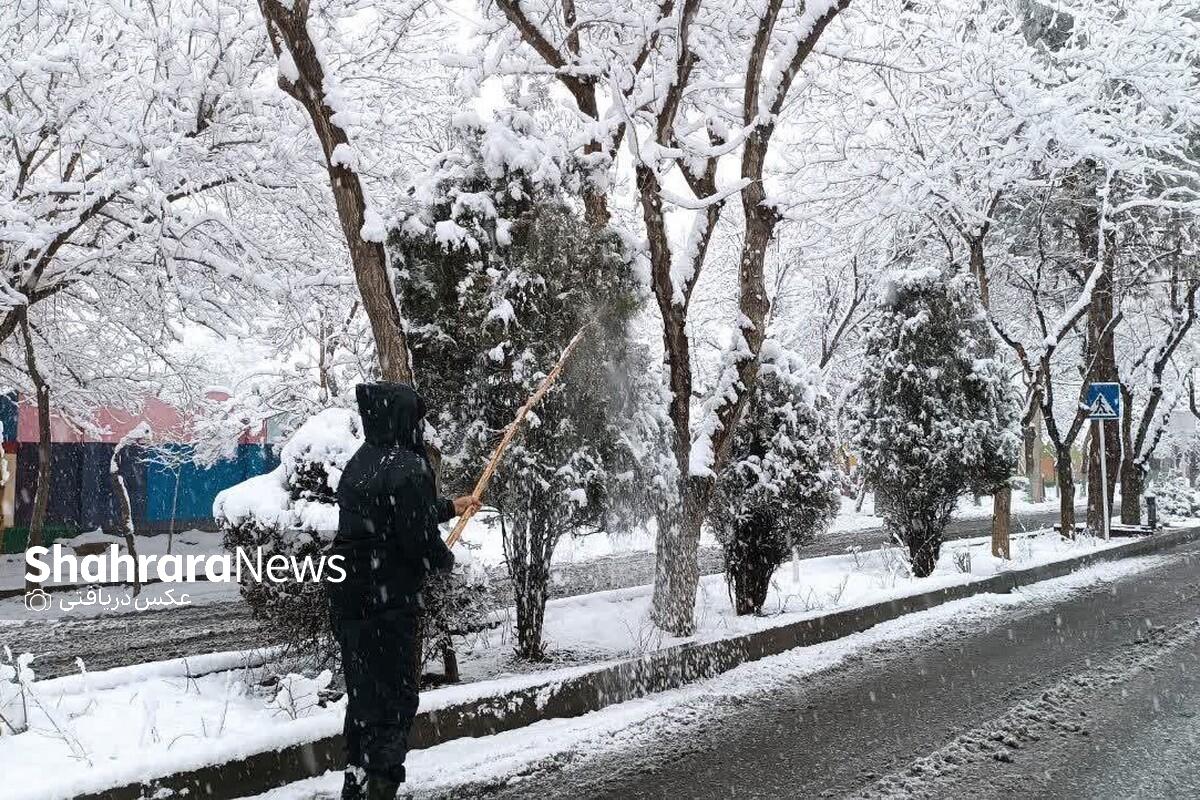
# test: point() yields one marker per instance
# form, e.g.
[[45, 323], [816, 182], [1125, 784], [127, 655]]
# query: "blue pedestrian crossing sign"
[[1104, 401]]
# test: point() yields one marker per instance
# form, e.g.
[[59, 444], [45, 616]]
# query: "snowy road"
[[1092, 694], [124, 639]]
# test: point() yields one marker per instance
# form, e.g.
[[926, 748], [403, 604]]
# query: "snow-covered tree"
[[321, 47], [685, 102], [934, 414], [779, 488], [500, 272], [130, 133]]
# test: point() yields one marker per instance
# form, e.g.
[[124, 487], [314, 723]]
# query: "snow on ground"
[[460, 762], [103, 730], [82, 735], [849, 519], [616, 624], [484, 539]]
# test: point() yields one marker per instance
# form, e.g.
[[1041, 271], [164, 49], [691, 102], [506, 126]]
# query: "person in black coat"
[[389, 540]]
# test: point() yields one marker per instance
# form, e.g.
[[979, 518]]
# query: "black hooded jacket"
[[388, 507]]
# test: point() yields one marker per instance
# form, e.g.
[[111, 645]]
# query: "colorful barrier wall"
[[166, 490], [161, 497]]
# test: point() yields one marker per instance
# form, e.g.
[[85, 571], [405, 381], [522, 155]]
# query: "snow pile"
[[327, 440], [263, 498], [300, 696], [90, 733], [300, 492]]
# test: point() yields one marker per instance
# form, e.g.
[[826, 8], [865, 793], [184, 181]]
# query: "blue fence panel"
[[63, 505], [81, 496], [186, 493], [256, 459]]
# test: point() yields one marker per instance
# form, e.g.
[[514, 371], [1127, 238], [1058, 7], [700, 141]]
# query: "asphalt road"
[[118, 640], [1095, 696]]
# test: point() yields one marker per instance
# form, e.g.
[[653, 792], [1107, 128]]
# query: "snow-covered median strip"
[[134, 724], [492, 759]]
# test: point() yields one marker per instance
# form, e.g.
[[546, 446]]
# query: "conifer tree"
[[779, 488], [500, 272], [935, 415]]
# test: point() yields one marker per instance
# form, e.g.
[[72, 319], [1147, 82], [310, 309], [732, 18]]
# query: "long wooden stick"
[[511, 431]]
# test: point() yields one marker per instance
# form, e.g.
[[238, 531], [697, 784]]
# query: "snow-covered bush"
[[779, 488], [1176, 500], [500, 272], [934, 415], [292, 511], [456, 604]]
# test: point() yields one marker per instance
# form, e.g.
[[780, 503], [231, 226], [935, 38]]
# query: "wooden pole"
[[511, 431]]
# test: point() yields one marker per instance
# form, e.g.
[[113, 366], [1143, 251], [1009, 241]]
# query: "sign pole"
[[1104, 515]]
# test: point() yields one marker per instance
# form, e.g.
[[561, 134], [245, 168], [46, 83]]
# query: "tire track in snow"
[[1063, 709]]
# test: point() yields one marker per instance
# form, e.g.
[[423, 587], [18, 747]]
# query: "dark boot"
[[380, 788], [354, 784]]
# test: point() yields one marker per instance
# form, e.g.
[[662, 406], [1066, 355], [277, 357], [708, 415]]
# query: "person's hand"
[[466, 504]]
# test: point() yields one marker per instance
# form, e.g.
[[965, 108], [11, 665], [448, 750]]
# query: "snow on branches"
[[127, 132]]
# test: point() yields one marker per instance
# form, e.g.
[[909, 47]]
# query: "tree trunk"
[[924, 547], [1133, 486], [595, 207], [676, 569], [531, 616], [1128, 473], [450, 661], [979, 269], [1002, 495], [125, 515], [41, 497], [1033, 459], [174, 510], [1066, 492], [287, 27], [528, 552], [1001, 522]]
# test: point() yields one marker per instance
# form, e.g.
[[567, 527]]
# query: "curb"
[[665, 669]]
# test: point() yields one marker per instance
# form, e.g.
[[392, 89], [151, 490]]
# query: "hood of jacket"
[[391, 415]]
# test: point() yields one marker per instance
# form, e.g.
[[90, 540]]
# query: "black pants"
[[382, 661]]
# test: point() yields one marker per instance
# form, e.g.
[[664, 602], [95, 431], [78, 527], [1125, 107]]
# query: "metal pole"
[[1103, 482]]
